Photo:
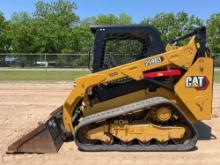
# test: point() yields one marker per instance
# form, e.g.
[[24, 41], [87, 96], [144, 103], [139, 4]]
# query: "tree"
[[171, 25], [85, 23], [124, 19], [56, 33], [109, 19], [2, 26], [213, 33], [5, 42], [56, 20], [22, 32]]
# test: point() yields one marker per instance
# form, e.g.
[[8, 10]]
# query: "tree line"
[[54, 27]]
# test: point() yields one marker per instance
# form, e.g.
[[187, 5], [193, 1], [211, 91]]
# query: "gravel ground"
[[23, 105]]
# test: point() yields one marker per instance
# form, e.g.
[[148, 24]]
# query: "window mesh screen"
[[122, 49]]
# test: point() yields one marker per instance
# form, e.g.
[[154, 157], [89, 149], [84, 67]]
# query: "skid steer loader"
[[140, 96]]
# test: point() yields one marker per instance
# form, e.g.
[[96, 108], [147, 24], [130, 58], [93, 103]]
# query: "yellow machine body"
[[195, 102]]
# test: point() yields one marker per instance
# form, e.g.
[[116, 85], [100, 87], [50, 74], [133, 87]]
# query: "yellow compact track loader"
[[140, 96]]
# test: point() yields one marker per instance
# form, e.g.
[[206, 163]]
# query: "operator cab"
[[117, 45]]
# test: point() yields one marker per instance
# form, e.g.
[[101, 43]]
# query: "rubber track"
[[148, 103]]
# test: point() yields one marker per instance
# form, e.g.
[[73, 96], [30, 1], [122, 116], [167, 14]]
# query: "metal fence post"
[[45, 59]]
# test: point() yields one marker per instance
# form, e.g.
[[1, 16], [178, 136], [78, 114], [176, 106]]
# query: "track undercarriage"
[[143, 125]]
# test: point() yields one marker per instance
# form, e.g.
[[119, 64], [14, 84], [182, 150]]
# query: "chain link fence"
[[47, 60], [216, 59], [55, 67], [39, 60]]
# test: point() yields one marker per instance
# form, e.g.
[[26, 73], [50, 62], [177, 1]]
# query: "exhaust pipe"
[[46, 138]]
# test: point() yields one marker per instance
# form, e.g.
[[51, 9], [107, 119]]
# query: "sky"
[[137, 9]]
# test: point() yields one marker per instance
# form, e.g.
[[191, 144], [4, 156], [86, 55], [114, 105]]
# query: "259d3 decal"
[[152, 61]]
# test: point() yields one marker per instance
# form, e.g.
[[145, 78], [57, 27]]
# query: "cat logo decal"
[[198, 82]]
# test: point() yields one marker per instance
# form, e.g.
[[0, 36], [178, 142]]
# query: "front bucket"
[[46, 138]]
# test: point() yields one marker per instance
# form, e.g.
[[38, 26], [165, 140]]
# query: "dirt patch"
[[23, 105]]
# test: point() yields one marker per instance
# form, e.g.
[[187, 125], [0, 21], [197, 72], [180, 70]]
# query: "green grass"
[[41, 75], [217, 76], [54, 75]]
